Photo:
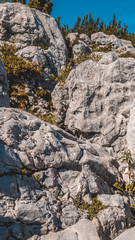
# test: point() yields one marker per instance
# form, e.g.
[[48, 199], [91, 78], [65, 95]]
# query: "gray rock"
[[115, 200], [102, 39], [108, 58], [110, 222], [4, 98], [28, 26], [131, 130], [81, 47], [127, 234], [97, 99], [84, 37], [72, 37], [44, 169], [84, 229]]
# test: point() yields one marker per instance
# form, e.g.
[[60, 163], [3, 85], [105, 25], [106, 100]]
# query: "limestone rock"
[[4, 98], [81, 47], [130, 136], [72, 37], [75, 232], [127, 234], [110, 222], [43, 169], [108, 58], [97, 98], [102, 39], [115, 200], [28, 27], [84, 37]]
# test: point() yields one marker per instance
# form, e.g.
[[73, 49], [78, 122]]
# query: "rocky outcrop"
[[103, 39], [38, 40], [81, 47], [96, 98], [43, 171], [4, 98], [56, 184], [28, 27], [75, 232]]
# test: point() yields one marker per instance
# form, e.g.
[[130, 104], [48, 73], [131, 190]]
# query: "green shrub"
[[92, 210], [105, 49], [17, 67]]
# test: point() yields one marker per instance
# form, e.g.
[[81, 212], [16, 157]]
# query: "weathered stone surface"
[[110, 222], [72, 37], [43, 169], [84, 37], [108, 58], [115, 200], [28, 26], [128, 234], [130, 136], [102, 39], [4, 98], [83, 230], [81, 47], [97, 98]]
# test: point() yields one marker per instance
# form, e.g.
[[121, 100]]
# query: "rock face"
[[4, 98], [43, 170], [75, 232], [97, 98], [131, 130], [128, 234], [102, 39], [53, 183], [28, 27], [38, 40]]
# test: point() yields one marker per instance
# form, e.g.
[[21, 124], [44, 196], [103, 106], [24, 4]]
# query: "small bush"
[[92, 210], [105, 49]]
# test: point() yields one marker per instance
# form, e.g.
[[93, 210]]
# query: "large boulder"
[[28, 27], [43, 171], [4, 98], [103, 39], [95, 100], [75, 232]]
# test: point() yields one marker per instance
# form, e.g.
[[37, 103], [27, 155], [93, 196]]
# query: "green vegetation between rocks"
[[89, 26], [91, 210], [16, 67], [21, 73], [127, 158], [105, 49], [129, 188]]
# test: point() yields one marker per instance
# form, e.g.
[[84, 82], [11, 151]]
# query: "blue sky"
[[71, 9]]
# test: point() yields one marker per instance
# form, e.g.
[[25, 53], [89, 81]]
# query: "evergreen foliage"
[[89, 26], [16, 67], [42, 5], [91, 210]]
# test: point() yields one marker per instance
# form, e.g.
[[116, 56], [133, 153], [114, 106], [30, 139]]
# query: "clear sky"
[[104, 9]]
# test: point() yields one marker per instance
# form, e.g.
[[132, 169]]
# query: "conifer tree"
[[42, 5]]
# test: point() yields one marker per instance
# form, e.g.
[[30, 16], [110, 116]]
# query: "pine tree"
[[42, 5]]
